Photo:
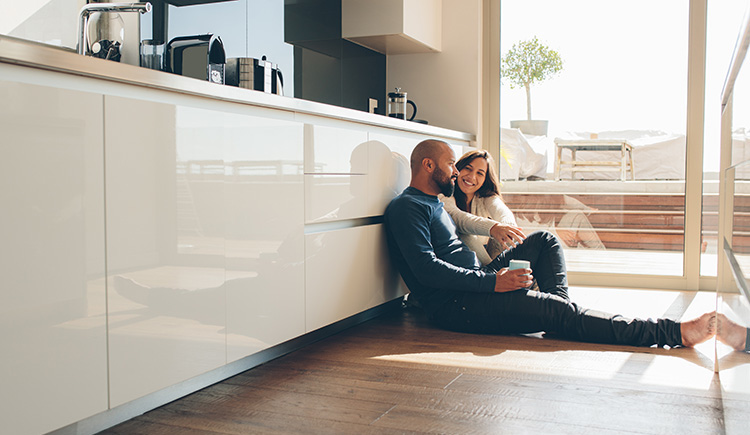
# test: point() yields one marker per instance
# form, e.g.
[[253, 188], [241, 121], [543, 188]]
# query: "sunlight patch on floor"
[[586, 364]]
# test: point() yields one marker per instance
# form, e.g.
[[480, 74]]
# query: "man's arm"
[[409, 225]]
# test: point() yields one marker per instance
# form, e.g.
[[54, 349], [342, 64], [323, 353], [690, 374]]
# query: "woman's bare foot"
[[698, 330], [730, 333]]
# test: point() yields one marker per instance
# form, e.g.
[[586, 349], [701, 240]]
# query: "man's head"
[[433, 167]]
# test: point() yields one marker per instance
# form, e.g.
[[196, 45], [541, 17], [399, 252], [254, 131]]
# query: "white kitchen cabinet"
[[377, 173], [205, 215], [264, 241], [393, 26], [330, 197], [334, 147], [336, 167], [52, 299], [165, 244], [347, 271]]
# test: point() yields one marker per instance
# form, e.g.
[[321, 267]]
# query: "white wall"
[[446, 86], [52, 22]]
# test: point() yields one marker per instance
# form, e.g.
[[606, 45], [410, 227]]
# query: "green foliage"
[[530, 62], [527, 63]]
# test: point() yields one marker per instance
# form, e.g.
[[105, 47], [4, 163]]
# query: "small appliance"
[[109, 31], [397, 102], [198, 56], [257, 74]]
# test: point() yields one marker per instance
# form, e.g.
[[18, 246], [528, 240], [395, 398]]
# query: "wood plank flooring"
[[399, 374]]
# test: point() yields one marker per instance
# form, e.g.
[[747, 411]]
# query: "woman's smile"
[[468, 183]]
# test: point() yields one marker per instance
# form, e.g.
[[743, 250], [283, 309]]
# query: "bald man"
[[457, 293]]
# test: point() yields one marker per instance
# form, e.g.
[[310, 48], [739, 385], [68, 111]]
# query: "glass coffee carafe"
[[397, 102]]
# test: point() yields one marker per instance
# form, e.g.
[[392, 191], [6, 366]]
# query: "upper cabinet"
[[393, 26]]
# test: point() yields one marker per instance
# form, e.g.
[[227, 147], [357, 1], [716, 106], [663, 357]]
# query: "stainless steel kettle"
[[397, 102]]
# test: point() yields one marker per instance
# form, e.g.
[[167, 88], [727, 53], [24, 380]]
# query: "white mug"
[[519, 264]]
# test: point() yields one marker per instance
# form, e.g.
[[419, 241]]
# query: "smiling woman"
[[477, 207]]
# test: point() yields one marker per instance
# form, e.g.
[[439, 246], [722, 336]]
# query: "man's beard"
[[444, 182]]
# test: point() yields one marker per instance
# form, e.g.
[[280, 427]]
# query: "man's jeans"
[[549, 310], [545, 253]]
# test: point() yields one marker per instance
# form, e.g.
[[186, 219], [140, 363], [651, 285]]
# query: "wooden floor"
[[398, 374]]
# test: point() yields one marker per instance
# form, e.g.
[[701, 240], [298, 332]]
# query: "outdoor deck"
[[635, 226]]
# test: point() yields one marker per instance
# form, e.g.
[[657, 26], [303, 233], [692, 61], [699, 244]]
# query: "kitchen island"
[[162, 233]]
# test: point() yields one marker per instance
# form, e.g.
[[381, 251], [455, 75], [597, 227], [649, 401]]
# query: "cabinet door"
[[347, 271], [336, 162], [264, 210], [52, 300], [165, 244]]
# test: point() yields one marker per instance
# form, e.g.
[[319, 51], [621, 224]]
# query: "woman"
[[478, 209], [489, 228]]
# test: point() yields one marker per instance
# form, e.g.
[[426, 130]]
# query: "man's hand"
[[509, 280], [507, 235]]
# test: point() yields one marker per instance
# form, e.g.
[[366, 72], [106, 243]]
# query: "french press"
[[397, 105]]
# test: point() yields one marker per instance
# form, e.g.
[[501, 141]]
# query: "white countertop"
[[20, 52]]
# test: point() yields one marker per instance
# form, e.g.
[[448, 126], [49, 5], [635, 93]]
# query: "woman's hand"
[[508, 280], [507, 235]]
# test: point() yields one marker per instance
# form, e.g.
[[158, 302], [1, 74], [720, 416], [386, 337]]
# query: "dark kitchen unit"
[[327, 68]]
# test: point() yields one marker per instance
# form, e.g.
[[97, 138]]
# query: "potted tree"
[[527, 63]]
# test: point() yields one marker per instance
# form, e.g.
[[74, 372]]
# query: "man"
[[445, 278]]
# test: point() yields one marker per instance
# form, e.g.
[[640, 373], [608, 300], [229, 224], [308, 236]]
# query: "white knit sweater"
[[474, 228]]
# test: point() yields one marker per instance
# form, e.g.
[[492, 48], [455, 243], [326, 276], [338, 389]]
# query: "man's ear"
[[428, 164]]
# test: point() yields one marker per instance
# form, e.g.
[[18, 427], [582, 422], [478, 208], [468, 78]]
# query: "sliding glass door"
[[593, 129]]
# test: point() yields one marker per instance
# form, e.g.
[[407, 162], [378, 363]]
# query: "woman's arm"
[[467, 223], [498, 211]]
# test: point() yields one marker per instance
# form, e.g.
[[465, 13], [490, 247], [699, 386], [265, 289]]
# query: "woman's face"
[[472, 176]]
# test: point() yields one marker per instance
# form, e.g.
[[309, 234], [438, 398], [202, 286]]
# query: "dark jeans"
[[545, 253], [549, 310]]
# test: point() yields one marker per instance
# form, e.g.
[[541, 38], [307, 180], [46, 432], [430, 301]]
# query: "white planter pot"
[[533, 127]]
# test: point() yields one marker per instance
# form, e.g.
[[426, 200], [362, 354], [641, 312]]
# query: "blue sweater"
[[424, 246]]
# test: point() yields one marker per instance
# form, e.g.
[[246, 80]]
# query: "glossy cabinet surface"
[[347, 271], [152, 237], [379, 170], [333, 147], [53, 371], [165, 250], [264, 241], [205, 241]]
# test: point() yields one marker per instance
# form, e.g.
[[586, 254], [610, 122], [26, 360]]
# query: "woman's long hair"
[[491, 184]]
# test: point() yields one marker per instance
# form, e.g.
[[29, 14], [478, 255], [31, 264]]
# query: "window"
[[616, 116]]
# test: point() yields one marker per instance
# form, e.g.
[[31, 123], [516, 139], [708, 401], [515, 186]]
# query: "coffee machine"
[[198, 56]]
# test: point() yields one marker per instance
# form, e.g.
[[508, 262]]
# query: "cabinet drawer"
[[347, 271], [335, 150]]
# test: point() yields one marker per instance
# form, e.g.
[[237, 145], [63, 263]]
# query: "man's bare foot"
[[730, 333], [698, 330]]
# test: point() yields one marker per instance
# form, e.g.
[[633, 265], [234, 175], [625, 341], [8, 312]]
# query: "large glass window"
[[723, 23], [607, 171]]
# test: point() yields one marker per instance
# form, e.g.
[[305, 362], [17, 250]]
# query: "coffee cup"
[[519, 264]]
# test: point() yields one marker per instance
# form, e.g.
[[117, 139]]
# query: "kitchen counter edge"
[[30, 54]]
